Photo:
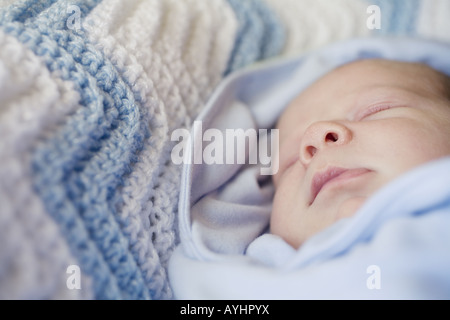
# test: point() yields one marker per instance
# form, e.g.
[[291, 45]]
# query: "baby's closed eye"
[[374, 112], [371, 110]]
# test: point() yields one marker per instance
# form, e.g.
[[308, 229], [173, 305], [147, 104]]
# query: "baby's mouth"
[[332, 175]]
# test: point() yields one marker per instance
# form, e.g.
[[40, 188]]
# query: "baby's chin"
[[349, 207]]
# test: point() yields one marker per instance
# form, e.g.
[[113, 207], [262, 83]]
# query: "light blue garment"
[[397, 246]]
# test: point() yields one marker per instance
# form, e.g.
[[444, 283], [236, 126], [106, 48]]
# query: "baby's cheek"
[[275, 179], [278, 218], [283, 212]]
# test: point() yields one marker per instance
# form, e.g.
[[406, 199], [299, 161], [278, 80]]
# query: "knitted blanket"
[[90, 92]]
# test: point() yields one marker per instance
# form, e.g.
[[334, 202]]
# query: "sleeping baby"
[[360, 205], [372, 121]]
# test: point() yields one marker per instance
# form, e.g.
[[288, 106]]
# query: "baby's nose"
[[321, 135]]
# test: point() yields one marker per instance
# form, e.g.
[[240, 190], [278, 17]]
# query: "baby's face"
[[350, 133]]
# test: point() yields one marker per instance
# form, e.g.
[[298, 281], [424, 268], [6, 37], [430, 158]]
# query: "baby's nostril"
[[331, 137], [311, 150]]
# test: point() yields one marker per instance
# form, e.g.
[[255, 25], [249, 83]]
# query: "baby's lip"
[[332, 174]]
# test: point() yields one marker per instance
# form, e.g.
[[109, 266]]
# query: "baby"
[[350, 133]]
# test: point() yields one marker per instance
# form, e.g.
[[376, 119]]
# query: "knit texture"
[[314, 23], [90, 93], [172, 80], [432, 20], [261, 35], [34, 256]]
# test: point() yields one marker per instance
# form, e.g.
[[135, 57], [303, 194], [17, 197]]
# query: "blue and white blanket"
[[397, 246], [90, 93]]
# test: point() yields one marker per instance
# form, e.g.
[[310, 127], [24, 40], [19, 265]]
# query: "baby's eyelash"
[[374, 109]]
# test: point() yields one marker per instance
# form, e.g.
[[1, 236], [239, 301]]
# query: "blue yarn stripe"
[[260, 33], [24, 9], [275, 35], [78, 170]]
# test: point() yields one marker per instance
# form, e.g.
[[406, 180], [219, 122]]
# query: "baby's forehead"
[[391, 65], [346, 84], [380, 67], [352, 77], [359, 75], [413, 72]]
